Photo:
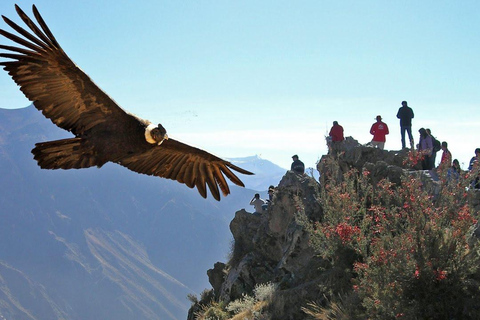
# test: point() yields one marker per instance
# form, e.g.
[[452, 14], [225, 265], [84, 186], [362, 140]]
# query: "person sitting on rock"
[[297, 165], [474, 160], [453, 173], [257, 204]]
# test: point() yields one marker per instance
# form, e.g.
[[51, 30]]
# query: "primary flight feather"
[[103, 131]]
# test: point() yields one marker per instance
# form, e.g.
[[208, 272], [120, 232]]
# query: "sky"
[[268, 78]]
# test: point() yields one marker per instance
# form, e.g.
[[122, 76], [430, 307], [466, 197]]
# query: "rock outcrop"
[[274, 247]]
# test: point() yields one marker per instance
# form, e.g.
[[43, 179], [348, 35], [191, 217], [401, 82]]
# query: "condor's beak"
[[165, 137]]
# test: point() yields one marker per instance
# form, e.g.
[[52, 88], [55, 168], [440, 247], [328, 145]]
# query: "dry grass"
[[250, 314], [334, 312]]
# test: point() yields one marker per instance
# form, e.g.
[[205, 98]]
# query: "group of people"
[[427, 146], [379, 129], [260, 205]]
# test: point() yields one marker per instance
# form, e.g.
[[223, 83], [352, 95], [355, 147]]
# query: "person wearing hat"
[[297, 165], [379, 130], [271, 190]]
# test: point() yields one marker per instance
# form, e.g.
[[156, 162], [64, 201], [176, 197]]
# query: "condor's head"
[[155, 135]]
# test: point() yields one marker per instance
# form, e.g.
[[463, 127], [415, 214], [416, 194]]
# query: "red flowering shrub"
[[413, 158], [402, 252]]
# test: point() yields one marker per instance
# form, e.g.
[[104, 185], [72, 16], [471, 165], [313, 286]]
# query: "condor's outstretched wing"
[[186, 164], [47, 76]]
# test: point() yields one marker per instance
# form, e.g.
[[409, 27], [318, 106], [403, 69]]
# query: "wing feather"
[[230, 175], [179, 162], [181, 166], [42, 42], [221, 180], [19, 40], [211, 182], [181, 172], [186, 164], [195, 172], [44, 26], [167, 168], [49, 78], [188, 175], [200, 180]]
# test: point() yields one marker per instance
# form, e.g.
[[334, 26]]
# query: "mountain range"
[[104, 243]]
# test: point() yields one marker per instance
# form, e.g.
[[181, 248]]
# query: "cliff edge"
[[274, 249]]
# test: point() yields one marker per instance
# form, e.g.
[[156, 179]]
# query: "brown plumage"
[[103, 131]]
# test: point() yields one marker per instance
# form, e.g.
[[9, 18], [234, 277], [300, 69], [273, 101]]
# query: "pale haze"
[[268, 78]]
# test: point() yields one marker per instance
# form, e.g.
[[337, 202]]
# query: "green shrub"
[[403, 252], [264, 291], [245, 303]]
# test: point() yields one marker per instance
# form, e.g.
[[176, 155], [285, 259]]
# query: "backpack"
[[436, 144]]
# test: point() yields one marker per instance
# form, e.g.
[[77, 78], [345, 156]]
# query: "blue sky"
[[239, 78]]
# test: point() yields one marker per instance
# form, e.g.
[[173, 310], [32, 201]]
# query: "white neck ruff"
[[148, 135]]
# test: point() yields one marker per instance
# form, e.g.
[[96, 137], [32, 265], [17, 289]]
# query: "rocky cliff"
[[274, 248]]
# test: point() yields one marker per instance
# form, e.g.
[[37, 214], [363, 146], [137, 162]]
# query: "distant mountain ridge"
[[266, 172], [100, 243]]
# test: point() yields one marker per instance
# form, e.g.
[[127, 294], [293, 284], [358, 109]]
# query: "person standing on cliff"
[[405, 114], [379, 130], [336, 132], [425, 147], [446, 161], [473, 165], [336, 136]]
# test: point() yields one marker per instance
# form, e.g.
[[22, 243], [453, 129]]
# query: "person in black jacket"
[[297, 165], [405, 114]]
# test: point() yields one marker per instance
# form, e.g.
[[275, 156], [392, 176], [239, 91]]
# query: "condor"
[[103, 131]]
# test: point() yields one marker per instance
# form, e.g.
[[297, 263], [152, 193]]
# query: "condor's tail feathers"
[[65, 154]]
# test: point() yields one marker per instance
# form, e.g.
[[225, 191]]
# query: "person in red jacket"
[[446, 162], [335, 137], [336, 132], [379, 130]]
